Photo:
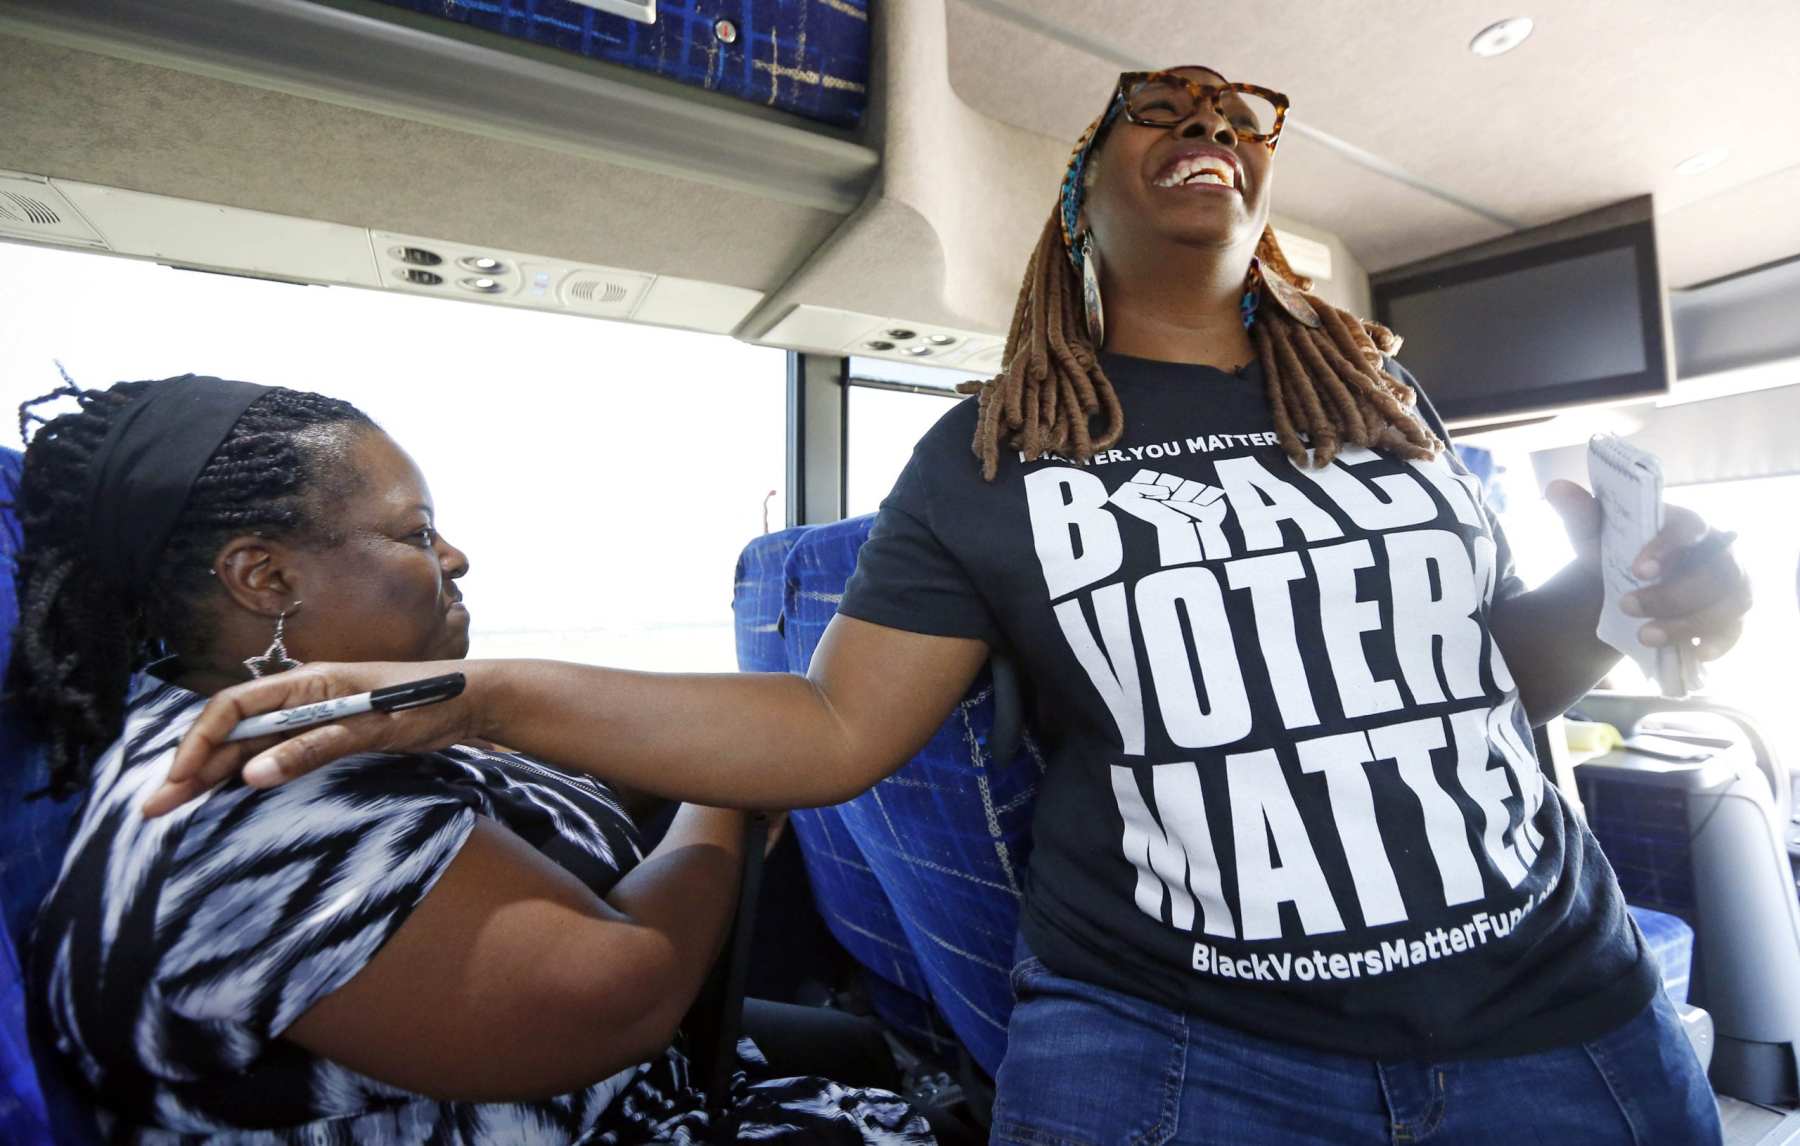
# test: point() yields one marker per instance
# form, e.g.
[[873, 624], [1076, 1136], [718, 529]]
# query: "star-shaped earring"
[[275, 658]]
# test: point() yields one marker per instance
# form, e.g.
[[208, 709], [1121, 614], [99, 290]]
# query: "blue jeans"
[[1086, 1066]]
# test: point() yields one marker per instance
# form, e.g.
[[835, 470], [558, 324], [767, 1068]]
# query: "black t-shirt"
[[1291, 787]]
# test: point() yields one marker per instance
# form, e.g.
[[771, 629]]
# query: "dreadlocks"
[[1323, 367], [78, 642]]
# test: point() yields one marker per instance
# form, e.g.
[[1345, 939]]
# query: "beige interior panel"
[[1702, 240], [1386, 224], [959, 201], [77, 115]]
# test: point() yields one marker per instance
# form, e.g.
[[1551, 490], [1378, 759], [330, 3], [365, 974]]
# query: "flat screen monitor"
[[1536, 328]]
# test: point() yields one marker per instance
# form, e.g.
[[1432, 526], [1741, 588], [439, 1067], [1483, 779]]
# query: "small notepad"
[[1628, 484]]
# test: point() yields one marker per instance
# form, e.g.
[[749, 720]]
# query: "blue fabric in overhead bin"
[[948, 835], [855, 908], [1672, 940], [807, 57]]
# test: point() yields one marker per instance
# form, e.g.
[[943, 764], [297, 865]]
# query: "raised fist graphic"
[[1186, 514]]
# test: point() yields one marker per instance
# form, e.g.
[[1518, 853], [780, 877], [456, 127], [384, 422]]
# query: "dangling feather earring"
[[1090, 291], [275, 659], [1252, 294]]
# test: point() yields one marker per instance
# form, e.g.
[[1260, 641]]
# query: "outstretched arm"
[[873, 697]]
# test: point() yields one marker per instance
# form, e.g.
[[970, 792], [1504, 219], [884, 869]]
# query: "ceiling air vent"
[[32, 209], [16, 208], [609, 294], [598, 291]]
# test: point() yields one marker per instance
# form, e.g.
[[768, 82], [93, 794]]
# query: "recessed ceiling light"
[[1703, 162], [1498, 39]]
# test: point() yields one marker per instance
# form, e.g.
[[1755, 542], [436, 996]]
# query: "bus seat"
[[947, 836], [1704, 840], [36, 1105], [855, 908], [1672, 940]]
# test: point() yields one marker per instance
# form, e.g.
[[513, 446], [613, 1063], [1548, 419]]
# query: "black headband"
[[146, 467]]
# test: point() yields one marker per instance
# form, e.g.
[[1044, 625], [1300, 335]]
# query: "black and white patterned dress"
[[172, 953]]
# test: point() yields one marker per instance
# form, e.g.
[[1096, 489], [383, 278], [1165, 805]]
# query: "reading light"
[[484, 285], [940, 339], [486, 264], [918, 351], [1498, 39], [1702, 163], [417, 256]]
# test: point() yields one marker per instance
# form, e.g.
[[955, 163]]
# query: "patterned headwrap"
[[1074, 184]]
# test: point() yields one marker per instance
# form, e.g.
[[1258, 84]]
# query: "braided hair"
[[276, 475], [1326, 381]]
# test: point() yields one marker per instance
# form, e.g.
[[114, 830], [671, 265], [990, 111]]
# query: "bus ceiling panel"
[[1601, 103], [384, 58], [1745, 226], [214, 237], [88, 117]]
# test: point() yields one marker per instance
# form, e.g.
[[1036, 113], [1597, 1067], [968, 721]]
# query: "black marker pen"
[[412, 694]]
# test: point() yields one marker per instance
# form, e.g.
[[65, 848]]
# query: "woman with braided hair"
[[456, 946], [1295, 875]]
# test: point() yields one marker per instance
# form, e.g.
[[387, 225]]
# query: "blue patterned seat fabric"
[[947, 837], [807, 57], [848, 896], [32, 1102], [1644, 832], [1672, 940]]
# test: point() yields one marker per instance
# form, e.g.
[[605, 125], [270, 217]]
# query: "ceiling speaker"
[[30, 208], [610, 294], [601, 291], [17, 208]]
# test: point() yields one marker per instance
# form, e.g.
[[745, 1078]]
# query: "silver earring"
[[1090, 291], [275, 659]]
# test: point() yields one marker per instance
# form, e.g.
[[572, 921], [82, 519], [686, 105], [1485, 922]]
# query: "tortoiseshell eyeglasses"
[[1164, 99]]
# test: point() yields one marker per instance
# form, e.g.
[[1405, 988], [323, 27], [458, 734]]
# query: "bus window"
[[602, 477], [889, 407], [1754, 675]]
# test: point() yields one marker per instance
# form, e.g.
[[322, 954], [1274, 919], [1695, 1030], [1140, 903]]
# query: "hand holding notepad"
[[1628, 486]]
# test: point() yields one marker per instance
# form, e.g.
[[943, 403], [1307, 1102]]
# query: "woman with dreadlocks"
[[457, 946], [1296, 877]]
